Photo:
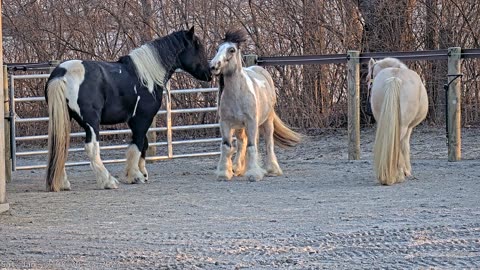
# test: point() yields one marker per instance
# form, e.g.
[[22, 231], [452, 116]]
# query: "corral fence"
[[167, 112], [352, 59]]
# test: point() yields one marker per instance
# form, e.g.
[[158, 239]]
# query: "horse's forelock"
[[235, 36]]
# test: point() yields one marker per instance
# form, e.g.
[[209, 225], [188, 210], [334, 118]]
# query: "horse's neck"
[[231, 83], [169, 60], [168, 50]]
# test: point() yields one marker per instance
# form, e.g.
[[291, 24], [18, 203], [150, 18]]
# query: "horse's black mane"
[[236, 36], [169, 46]]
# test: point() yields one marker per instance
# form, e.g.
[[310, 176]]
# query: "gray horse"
[[247, 101]]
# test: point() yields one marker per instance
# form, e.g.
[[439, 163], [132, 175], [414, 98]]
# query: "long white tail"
[[58, 133], [387, 139]]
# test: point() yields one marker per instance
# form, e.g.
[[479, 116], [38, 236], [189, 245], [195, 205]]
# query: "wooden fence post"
[[250, 59], [454, 103], [8, 150], [4, 206], [53, 64], [353, 85]]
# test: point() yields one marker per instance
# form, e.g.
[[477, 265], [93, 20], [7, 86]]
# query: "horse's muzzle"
[[215, 69]]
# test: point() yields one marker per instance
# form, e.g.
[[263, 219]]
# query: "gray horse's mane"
[[235, 36]]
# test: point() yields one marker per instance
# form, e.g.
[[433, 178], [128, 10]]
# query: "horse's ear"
[[371, 63], [191, 32]]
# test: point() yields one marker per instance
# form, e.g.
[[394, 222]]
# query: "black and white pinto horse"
[[129, 90]]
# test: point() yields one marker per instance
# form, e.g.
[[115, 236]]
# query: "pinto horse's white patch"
[[73, 79], [136, 105], [104, 179], [260, 83], [249, 81]]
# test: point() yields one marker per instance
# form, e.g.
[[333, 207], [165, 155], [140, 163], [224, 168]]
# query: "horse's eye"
[[231, 50]]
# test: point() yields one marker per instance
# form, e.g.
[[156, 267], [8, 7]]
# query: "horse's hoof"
[[112, 183], [256, 174], [65, 186], [111, 186], [254, 177], [387, 183], [224, 176], [139, 180], [274, 172]]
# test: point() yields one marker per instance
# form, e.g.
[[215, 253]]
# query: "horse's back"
[[95, 88]]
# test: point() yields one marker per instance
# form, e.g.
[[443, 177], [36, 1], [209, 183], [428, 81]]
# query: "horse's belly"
[[234, 122], [117, 110], [114, 117]]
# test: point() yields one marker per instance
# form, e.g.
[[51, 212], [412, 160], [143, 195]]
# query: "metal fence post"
[[8, 150], [353, 85], [169, 122], [454, 105], [11, 103]]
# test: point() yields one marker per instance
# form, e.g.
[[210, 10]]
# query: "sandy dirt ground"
[[325, 212]]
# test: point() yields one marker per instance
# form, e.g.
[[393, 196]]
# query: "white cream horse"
[[399, 103], [246, 107]]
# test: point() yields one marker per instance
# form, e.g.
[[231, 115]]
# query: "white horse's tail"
[[58, 133], [283, 135], [387, 140]]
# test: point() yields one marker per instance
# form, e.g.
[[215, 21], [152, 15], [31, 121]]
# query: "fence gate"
[[169, 143]]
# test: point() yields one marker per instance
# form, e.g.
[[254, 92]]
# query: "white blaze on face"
[[73, 78], [222, 54]]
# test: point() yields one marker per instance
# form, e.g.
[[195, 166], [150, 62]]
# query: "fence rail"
[[303, 59], [364, 57], [263, 61]]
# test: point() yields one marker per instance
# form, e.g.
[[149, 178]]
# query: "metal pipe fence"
[[169, 128]]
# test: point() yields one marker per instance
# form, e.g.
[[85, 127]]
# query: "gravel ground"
[[325, 212]]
